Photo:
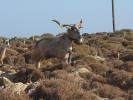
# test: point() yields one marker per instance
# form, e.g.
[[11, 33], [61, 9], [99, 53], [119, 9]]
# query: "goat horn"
[[57, 22], [78, 25], [62, 25], [66, 25], [81, 21]]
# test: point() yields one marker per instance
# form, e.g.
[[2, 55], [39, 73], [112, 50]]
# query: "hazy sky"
[[29, 17]]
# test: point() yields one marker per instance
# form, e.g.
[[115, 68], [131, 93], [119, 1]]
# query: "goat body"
[[58, 47]]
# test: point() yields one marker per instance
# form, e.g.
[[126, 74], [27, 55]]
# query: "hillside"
[[102, 70]]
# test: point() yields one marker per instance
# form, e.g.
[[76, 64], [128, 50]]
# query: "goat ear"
[[78, 25]]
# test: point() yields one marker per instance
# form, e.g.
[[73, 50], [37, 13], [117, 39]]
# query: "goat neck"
[[66, 36]]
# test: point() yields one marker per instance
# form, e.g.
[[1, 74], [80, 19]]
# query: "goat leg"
[[38, 64], [70, 59]]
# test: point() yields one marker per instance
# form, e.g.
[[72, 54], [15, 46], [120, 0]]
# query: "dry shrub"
[[20, 60], [86, 75], [7, 68], [8, 95], [60, 74], [52, 68], [86, 61], [115, 39], [120, 78], [129, 36], [130, 96], [47, 35], [130, 47], [127, 66], [127, 56], [117, 63], [25, 75], [118, 98], [108, 91], [28, 58], [42, 92], [94, 83], [64, 75], [17, 60], [99, 78], [126, 30], [130, 66], [11, 51], [105, 52], [125, 43], [113, 46], [69, 73], [55, 70], [1, 82], [83, 50], [123, 66], [98, 68], [68, 85], [58, 89]]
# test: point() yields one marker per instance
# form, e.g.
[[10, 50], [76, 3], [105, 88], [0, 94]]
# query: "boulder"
[[5, 82]]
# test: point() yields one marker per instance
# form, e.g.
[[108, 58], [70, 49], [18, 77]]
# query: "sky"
[[24, 18]]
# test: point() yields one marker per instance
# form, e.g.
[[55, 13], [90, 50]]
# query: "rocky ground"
[[103, 70]]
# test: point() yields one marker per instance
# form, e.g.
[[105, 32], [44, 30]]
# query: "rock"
[[9, 74], [0, 72], [6, 82], [98, 58], [31, 87], [83, 70], [18, 87], [7, 68], [84, 73], [15, 88]]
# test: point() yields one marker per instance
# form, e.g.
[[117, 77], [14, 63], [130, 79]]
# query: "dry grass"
[[8, 95], [57, 89], [108, 91], [121, 79], [25, 75], [99, 68], [111, 78]]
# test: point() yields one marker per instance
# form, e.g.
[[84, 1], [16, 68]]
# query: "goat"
[[2, 54], [3, 50], [8, 42], [59, 46], [6, 50]]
